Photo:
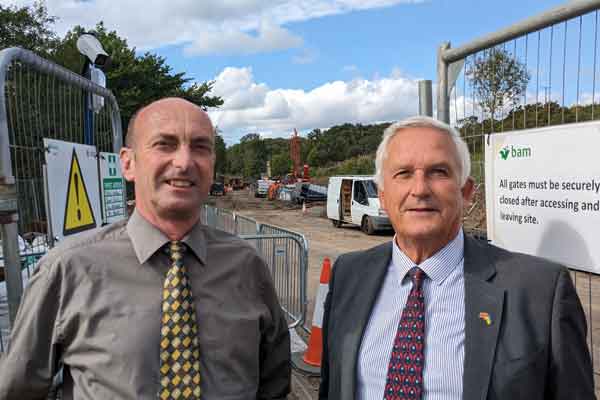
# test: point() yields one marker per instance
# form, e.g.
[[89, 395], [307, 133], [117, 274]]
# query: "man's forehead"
[[173, 113], [423, 143], [173, 120]]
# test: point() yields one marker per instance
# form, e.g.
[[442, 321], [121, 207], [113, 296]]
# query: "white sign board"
[[112, 186], [73, 194], [543, 193]]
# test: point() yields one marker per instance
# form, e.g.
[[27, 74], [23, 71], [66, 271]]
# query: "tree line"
[[341, 149], [350, 148]]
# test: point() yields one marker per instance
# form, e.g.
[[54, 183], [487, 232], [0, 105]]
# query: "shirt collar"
[[148, 239], [437, 267]]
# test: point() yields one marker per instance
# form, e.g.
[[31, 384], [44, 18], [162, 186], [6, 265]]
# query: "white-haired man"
[[438, 315]]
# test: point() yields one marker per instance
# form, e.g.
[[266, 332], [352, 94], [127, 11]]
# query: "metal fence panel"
[[225, 220], [558, 50], [245, 225], [38, 99], [283, 254], [284, 251]]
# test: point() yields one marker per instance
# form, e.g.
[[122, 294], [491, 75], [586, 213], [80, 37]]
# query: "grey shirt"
[[94, 304]]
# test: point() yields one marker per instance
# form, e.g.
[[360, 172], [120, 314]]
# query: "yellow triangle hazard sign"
[[78, 209]]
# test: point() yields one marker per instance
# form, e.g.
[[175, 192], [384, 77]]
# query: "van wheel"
[[337, 223], [367, 226]]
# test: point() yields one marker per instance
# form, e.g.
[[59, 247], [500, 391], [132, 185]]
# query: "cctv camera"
[[90, 46]]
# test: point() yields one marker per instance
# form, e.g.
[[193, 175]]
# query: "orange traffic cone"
[[310, 363]]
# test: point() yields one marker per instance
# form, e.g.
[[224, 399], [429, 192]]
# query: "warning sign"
[[73, 187], [78, 210]]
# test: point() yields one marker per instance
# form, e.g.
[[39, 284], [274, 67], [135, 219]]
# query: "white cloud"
[[204, 27], [269, 37], [235, 86], [276, 112]]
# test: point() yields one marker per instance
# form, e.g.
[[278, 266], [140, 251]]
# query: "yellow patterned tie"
[[179, 350]]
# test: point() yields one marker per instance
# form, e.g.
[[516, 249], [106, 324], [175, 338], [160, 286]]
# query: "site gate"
[[559, 52], [38, 99]]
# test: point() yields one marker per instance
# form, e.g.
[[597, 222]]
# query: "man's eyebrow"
[[174, 137], [166, 135], [203, 139], [442, 164]]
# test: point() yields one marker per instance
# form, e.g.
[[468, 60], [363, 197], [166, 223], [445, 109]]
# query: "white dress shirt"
[[444, 293]]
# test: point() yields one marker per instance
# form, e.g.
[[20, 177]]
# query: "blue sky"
[[375, 41], [304, 64]]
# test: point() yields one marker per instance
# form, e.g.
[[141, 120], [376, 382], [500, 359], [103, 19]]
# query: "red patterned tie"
[[405, 372]]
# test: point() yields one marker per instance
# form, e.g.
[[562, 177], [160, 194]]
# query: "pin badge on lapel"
[[485, 317]]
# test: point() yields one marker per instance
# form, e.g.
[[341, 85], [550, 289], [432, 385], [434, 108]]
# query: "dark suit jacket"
[[535, 347]]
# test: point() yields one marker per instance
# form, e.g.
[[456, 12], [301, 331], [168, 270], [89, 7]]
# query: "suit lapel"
[[483, 316], [370, 276]]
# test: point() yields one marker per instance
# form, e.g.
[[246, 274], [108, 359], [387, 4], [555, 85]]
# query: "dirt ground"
[[327, 241]]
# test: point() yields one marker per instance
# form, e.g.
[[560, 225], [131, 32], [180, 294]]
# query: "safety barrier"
[[39, 99], [245, 225], [284, 251]]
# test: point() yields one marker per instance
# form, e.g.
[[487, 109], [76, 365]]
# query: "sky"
[[304, 64]]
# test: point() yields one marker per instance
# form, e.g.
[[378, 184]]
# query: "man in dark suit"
[[435, 314]]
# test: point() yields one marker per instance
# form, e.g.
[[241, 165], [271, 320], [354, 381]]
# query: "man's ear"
[[127, 158], [468, 190], [381, 195]]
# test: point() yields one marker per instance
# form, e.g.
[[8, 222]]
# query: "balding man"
[[158, 306]]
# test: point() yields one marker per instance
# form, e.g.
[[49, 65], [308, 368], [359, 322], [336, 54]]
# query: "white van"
[[353, 200], [262, 187]]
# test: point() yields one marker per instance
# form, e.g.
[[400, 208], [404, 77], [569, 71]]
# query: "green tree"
[[234, 160], [135, 80], [281, 164], [254, 155], [498, 78], [28, 27], [220, 154]]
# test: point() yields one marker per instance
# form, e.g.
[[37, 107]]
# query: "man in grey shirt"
[[94, 303]]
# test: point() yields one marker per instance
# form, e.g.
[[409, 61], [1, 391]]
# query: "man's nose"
[[182, 157], [420, 184]]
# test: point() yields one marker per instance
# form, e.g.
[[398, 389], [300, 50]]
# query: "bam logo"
[[515, 152]]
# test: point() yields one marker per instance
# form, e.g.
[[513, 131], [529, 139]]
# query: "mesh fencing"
[[40, 99], [285, 252], [547, 77]]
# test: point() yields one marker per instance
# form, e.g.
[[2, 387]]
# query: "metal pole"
[[88, 120], [558, 14], [425, 98], [12, 268], [8, 207], [443, 99], [88, 113]]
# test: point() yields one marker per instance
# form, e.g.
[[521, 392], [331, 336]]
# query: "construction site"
[[528, 187]]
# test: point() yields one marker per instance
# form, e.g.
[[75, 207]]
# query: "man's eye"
[[441, 172], [163, 144], [402, 174], [203, 147]]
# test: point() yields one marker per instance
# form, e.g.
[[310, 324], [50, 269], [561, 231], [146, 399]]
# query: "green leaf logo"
[[504, 153]]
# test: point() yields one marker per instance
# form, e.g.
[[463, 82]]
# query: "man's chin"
[[180, 212], [423, 233]]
